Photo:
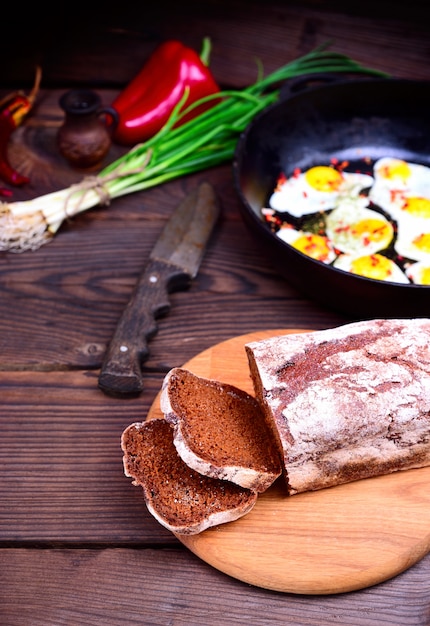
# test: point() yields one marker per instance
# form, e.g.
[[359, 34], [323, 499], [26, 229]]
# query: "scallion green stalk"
[[176, 150]]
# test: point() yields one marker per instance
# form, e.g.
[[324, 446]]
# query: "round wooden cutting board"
[[329, 541]]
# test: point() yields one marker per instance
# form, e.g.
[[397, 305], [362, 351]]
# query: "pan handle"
[[299, 83]]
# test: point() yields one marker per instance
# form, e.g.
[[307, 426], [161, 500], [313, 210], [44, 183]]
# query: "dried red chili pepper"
[[146, 103], [13, 109]]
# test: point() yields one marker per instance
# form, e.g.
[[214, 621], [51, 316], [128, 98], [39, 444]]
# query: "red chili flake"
[[297, 172], [419, 237], [395, 193], [385, 171], [337, 165], [281, 180], [367, 240], [343, 229], [310, 248], [310, 245], [270, 217], [333, 185]]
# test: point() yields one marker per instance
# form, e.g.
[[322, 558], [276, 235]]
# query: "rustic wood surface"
[[77, 545]]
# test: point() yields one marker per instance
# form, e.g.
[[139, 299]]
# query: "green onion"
[[203, 142]]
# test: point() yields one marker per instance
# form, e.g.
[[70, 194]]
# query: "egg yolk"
[[395, 170], [425, 276], [324, 178], [314, 246], [373, 266], [417, 207], [373, 230], [422, 242]]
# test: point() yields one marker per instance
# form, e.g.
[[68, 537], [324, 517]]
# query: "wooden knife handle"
[[121, 373]]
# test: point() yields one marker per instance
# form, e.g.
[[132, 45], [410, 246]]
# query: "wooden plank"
[[62, 474], [58, 342], [135, 587]]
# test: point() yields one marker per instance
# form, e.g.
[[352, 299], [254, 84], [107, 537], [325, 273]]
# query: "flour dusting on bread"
[[348, 403]]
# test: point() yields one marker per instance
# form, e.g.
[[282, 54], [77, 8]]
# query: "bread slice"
[[349, 402], [182, 500], [220, 430]]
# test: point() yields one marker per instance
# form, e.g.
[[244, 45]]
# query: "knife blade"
[[173, 263]]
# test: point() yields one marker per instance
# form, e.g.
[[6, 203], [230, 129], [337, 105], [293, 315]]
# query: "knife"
[[173, 263]]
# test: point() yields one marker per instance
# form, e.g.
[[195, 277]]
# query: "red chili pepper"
[[13, 109], [146, 103]]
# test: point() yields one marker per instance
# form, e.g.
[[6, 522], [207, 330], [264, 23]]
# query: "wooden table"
[[77, 545]]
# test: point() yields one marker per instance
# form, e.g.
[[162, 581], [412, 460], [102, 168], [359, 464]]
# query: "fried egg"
[[419, 273], [317, 189], [413, 240], [318, 247], [397, 182], [356, 230], [414, 208], [401, 174], [375, 266]]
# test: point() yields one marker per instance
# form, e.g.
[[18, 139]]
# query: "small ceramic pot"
[[84, 138]]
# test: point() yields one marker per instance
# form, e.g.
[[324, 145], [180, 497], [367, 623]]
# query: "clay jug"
[[84, 138]]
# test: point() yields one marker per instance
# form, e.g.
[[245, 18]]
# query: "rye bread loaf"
[[181, 499], [219, 430], [347, 403]]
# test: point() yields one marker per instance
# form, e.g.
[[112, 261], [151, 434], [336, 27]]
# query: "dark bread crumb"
[[220, 430], [180, 498]]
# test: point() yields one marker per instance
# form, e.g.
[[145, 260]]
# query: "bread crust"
[[347, 403]]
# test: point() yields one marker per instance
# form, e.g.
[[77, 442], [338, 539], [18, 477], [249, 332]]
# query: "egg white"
[[374, 266], [356, 229], [413, 239], [297, 196], [400, 174], [419, 273]]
